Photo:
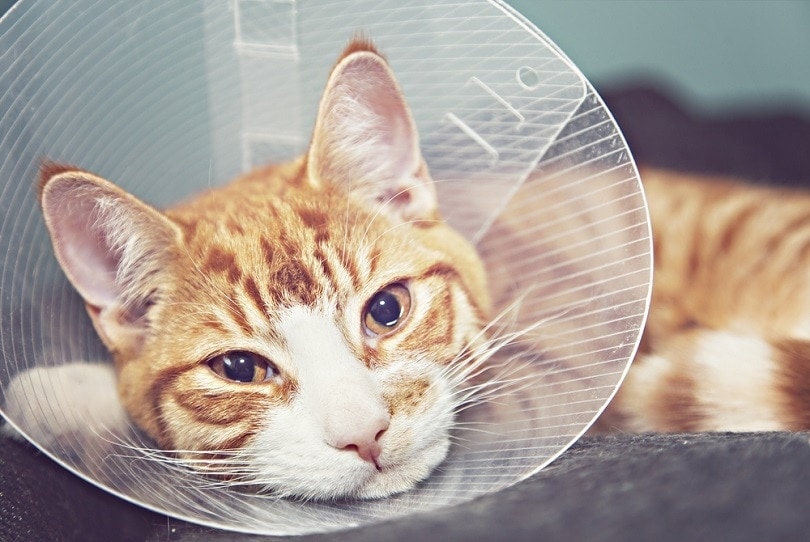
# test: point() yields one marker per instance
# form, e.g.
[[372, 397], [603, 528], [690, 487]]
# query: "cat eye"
[[386, 309], [241, 366]]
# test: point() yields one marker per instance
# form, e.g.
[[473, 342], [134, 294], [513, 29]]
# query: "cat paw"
[[66, 405]]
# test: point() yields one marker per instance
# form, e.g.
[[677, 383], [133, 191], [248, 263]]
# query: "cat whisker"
[[474, 344], [474, 360], [466, 427], [385, 204], [490, 391], [403, 224]]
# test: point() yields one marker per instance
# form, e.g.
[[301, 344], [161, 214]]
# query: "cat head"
[[303, 328]]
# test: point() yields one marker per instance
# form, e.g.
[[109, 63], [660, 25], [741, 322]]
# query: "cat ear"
[[366, 140], [110, 245]]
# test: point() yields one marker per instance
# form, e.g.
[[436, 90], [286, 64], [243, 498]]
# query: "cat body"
[[310, 328], [727, 342]]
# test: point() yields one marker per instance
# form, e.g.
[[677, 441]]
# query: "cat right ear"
[[111, 246], [365, 138]]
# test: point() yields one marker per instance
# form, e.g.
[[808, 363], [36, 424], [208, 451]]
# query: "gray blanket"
[[647, 487]]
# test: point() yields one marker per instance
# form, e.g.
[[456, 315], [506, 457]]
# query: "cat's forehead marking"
[[306, 246], [222, 261], [270, 271]]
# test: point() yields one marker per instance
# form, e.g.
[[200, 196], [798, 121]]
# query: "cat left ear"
[[366, 140], [112, 247]]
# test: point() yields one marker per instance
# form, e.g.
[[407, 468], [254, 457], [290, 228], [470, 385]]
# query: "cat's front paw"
[[66, 405]]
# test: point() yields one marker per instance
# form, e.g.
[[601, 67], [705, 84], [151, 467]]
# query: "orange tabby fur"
[[725, 348], [727, 343], [303, 257], [308, 241]]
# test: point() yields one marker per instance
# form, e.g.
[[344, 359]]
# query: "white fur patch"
[[339, 399], [65, 402], [731, 386], [736, 380], [338, 390]]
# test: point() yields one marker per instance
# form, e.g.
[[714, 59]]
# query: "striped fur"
[[282, 263], [727, 343]]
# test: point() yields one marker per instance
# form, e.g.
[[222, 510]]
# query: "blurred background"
[[710, 86], [714, 54], [717, 86]]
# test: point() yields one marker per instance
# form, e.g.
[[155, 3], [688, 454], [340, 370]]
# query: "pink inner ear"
[[369, 82], [81, 244], [397, 133], [365, 140], [364, 131]]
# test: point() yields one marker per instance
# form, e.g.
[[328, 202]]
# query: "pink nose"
[[364, 441]]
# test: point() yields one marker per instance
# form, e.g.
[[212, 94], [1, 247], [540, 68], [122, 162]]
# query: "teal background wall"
[[715, 54]]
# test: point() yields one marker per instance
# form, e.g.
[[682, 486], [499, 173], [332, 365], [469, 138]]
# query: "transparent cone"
[[168, 98]]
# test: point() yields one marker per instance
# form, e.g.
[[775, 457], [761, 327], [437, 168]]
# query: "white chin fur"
[[290, 458], [329, 474]]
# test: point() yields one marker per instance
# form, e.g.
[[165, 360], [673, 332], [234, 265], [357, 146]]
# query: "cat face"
[[301, 328]]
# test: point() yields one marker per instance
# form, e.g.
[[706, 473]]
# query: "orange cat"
[[311, 326], [309, 315], [727, 342]]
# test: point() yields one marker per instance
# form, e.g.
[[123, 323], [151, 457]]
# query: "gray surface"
[[649, 487], [654, 487]]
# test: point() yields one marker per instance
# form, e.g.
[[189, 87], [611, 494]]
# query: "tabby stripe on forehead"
[[221, 261], [316, 220], [293, 279], [254, 294], [215, 326], [313, 218], [450, 273], [350, 263], [326, 267], [235, 227], [340, 257], [267, 250]]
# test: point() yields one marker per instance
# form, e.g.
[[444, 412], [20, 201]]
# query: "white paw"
[[66, 403]]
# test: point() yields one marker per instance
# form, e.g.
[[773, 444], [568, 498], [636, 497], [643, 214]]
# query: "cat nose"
[[364, 441]]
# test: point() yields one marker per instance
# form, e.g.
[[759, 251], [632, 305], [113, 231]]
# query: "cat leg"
[[702, 380], [65, 405]]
